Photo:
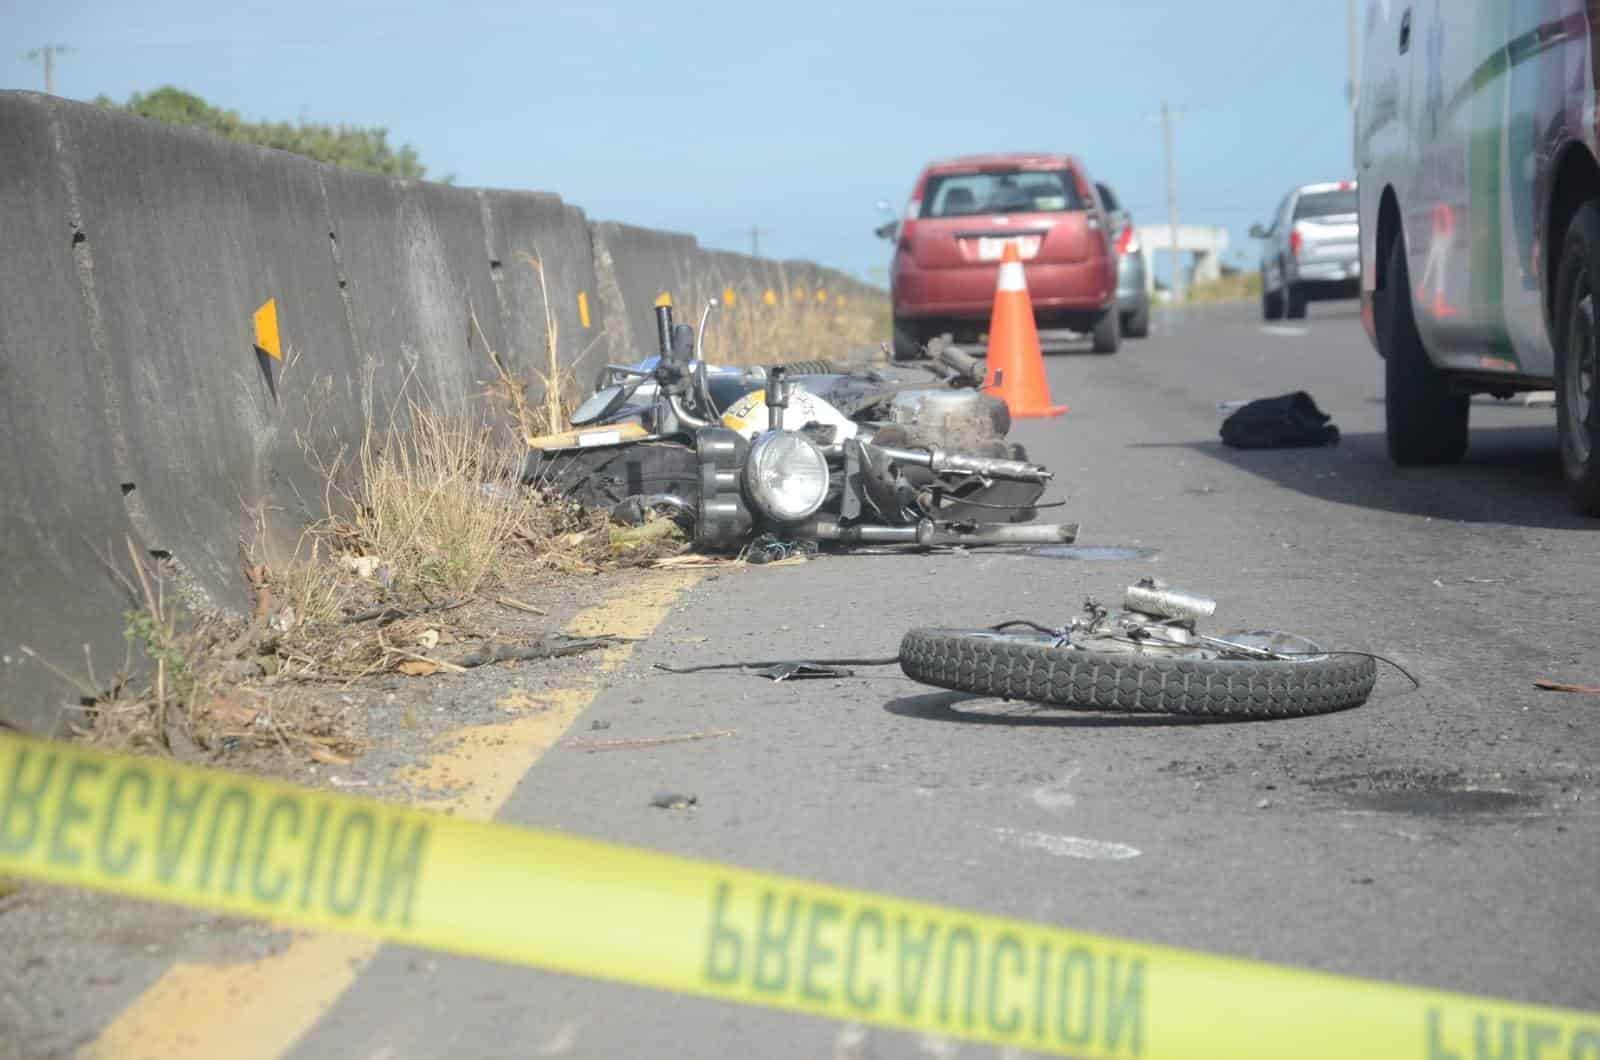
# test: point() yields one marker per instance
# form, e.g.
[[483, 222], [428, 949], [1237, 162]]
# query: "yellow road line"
[[261, 1008]]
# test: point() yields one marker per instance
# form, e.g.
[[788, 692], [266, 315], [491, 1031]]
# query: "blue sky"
[[796, 118]]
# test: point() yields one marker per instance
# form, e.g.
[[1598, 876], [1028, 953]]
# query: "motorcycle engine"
[[961, 420]]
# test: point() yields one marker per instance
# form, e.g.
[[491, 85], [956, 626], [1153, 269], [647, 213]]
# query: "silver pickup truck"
[[1311, 251]]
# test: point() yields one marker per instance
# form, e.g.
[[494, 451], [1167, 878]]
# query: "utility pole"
[[47, 54], [755, 240], [1178, 280]]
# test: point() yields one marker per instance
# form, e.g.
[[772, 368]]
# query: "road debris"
[[548, 646], [518, 605], [1289, 421], [671, 800], [319, 753], [801, 671], [648, 741], [1559, 686], [785, 669], [390, 614]]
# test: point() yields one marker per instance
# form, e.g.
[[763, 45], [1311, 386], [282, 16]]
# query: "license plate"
[[992, 248]]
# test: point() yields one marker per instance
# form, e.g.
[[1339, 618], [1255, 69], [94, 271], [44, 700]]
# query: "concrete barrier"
[[413, 259], [524, 227], [135, 408], [60, 483], [635, 266]]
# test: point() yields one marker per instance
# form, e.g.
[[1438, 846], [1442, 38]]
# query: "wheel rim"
[[1298, 648], [1583, 364]]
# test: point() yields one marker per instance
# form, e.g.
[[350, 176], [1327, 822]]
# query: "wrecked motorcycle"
[[1148, 657], [803, 452]]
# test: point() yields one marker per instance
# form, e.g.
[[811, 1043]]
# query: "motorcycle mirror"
[[603, 404]]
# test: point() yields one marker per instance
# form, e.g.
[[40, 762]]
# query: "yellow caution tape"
[[151, 829]]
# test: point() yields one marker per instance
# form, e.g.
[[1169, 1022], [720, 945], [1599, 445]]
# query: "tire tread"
[[1029, 669]]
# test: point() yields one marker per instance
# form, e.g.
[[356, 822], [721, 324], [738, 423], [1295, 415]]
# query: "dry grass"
[[428, 508], [187, 699], [434, 501], [1240, 287], [785, 323], [554, 382]]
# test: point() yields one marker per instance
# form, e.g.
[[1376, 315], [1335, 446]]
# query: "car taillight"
[[1128, 242], [908, 228], [1294, 242]]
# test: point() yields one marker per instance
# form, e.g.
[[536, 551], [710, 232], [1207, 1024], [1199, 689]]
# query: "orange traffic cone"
[[1016, 366]]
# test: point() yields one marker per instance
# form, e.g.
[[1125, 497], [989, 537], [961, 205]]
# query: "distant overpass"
[[1205, 242]]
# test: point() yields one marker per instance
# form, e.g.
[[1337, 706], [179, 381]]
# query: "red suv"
[[962, 214]]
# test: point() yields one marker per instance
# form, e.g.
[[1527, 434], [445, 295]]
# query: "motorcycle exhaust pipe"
[[940, 461], [832, 530], [1151, 597], [1000, 534], [927, 533]]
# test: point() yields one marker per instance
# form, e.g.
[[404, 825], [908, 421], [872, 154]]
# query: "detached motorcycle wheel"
[[1028, 666]]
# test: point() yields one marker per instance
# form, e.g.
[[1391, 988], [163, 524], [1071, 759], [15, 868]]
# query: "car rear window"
[[1326, 204], [1000, 191]]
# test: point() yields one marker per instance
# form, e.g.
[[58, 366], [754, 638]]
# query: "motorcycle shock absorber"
[[664, 328]]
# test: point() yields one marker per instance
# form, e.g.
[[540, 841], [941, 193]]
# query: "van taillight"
[[1128, 242], [1294, 242]]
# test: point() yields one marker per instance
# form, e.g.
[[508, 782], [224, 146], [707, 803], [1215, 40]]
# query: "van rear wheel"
[[1426, 421], [1271, 304], [1295, 302], [1577, 342]]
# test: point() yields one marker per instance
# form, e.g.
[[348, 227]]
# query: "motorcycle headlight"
[[786, 476]]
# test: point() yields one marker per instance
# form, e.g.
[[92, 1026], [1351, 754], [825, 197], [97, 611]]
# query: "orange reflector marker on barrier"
[[729, 296], [799, 294], [583, 308], [266, 322], [770, 298], [664, 299], [822, 294]]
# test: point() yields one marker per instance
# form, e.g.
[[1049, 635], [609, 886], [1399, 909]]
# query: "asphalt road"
[[1360, 843]]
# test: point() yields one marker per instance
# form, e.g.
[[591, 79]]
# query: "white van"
[[1480, 218]]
